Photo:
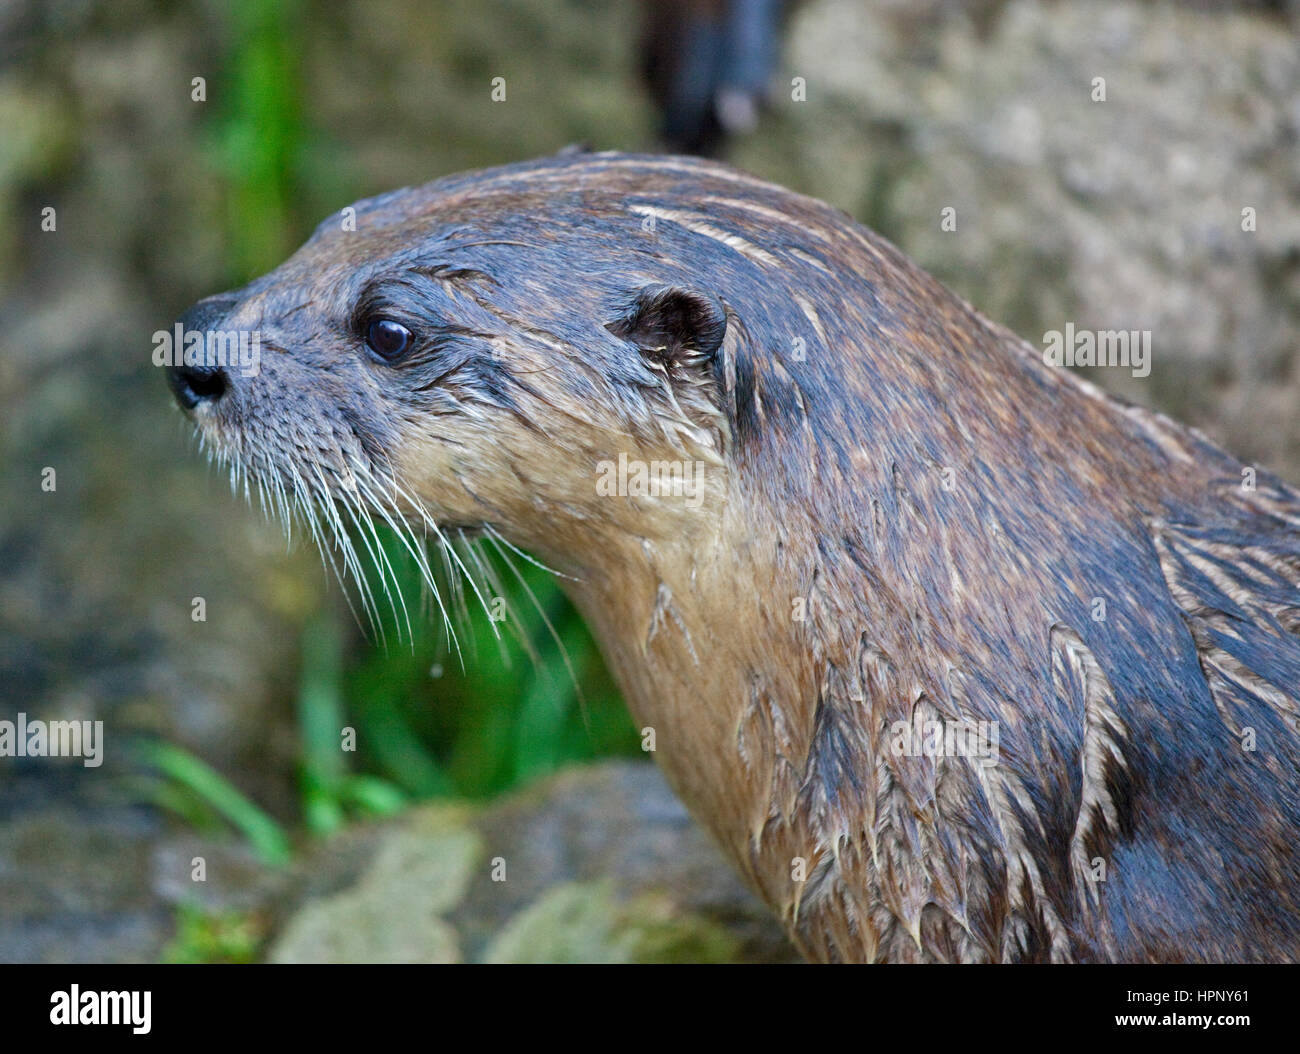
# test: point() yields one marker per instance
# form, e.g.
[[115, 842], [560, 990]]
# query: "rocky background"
[[1122, 214]]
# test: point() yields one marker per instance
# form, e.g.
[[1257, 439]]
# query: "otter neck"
[[699, 626]]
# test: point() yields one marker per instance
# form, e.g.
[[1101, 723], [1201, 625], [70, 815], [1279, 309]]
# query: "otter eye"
[[388, 339]]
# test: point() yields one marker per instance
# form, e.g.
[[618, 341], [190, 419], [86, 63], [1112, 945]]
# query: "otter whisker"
[[362, 520], [348, 551], [458, 591], [389, 581], [311, 513], [416, 546], [402, 529], [500, 538], [452, 576], [283, 511], [366, 512], [302, 501], [432, 524], [546, 621], [493, 583], [389, 480]]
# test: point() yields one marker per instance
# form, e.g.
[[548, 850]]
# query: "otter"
[[884, 518]]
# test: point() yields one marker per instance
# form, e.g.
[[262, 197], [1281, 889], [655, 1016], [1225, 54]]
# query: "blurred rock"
[[421, 870], [601, 864], [107, 891]]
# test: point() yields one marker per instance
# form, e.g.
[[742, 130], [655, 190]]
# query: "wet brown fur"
[[943, 506]]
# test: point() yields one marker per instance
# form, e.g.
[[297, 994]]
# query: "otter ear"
[[673, 326]]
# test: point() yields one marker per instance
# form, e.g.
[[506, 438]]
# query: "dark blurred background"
[[222, 735]]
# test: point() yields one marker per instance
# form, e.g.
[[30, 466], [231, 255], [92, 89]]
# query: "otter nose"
[[203, 381]]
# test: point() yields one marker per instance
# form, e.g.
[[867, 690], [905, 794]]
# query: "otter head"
[[481, 357]]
